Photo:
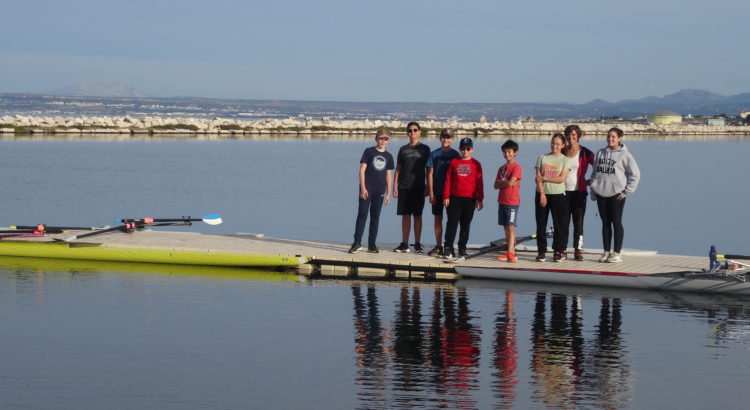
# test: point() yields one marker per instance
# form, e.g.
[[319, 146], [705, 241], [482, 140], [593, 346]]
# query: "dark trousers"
[[460, 212], [611, 210], [557, 204], [577, 210], [372, 205]]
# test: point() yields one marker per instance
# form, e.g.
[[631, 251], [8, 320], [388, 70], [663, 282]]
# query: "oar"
[[21, 235], [12, 231], [496, 245], [47, 228], [212, 219], [728, 256], [128, 227], [130, 224]]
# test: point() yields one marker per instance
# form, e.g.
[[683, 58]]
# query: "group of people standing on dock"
[[453, 182]]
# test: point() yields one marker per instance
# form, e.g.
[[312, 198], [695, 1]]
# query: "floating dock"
[[310, 258]]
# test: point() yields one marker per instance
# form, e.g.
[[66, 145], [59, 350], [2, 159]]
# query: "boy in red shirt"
[[462, 194], [508, 198]]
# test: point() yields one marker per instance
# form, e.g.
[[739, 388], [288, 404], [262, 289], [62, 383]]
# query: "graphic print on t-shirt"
[[551, 170], [464, 170], [378, 162]]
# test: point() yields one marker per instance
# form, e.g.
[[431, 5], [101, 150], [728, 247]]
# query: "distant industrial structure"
[[664, 117]]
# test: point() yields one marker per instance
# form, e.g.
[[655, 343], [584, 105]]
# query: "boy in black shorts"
[[410, 187]]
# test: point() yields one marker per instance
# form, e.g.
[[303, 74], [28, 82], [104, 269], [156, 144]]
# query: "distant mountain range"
[[105, 88], [117, 98], [687, 101]]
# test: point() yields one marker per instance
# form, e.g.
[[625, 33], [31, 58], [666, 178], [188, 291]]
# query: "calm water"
[[95, 335]]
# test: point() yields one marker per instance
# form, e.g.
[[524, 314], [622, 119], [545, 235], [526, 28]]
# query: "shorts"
[[438, 208], [410, 201], [507, 215]]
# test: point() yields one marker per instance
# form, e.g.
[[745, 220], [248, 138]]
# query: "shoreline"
[[307, 128]]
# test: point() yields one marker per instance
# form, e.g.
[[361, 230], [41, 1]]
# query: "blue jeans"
[[372, 205]]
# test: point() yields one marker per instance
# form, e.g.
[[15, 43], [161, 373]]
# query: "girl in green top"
[[551, 171]]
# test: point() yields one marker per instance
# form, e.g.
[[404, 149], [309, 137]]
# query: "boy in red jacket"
[[463, 193]]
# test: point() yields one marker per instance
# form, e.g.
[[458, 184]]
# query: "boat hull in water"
[[722, 281]]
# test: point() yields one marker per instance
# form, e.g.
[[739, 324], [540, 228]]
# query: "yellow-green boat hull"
[[96, 252]]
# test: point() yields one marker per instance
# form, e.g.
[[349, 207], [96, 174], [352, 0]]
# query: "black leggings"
[[610, 210], [558, 206], [577, 208]]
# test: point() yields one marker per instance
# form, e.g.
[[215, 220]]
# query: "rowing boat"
[[644, 270], [120, 245], [144, 254], [94, 268]]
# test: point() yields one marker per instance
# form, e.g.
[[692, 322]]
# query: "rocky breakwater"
[[307, 127]]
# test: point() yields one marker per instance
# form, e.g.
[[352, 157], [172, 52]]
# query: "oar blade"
[[212, 219]]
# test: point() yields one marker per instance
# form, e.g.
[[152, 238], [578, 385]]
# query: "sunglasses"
[[465, 149], [412, 130]]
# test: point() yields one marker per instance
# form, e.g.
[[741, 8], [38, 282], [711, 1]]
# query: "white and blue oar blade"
[[212, 219]]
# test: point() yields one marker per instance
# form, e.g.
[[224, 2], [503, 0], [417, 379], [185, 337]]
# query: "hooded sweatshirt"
[[615, 172]]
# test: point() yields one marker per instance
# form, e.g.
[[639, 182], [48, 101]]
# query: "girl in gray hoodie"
[[615, 176]]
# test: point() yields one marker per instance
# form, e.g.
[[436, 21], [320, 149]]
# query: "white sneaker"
[[604, 257], [614, 257]]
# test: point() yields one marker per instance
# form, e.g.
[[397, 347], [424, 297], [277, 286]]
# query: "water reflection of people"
[[566, 372], [439, 349], [506, 354], [611, 371], [459, 351], [408, 349], [556, 357], [369, 341]]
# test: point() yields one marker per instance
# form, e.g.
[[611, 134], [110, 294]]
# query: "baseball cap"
[[383, 133], [466, 142]]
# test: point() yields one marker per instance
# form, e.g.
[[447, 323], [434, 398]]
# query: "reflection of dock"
[[316, 258]]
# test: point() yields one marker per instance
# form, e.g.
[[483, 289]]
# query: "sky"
[[494, 51]]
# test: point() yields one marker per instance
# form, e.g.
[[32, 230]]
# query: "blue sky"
[[356, 50]]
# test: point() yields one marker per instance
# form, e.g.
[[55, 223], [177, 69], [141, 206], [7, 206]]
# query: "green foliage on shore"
[[170, 127], [232, 127], [17, 129], [323, 128]]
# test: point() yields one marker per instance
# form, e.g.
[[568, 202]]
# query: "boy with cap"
[[462, 194], [375, 168], [437, 166]]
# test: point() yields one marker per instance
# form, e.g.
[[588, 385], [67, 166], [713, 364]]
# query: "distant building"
[[664, 117], [744, 114], [717, 121]]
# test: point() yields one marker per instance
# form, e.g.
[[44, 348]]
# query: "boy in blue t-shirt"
[[437, 166], [375, 183]]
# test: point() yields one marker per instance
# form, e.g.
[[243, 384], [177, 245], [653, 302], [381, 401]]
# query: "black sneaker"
[[448, 252], [402, 247], [372, 249], [356, 247], [541, 257], [418, 248], [437, 251]]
